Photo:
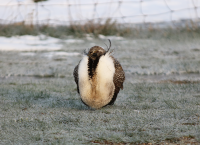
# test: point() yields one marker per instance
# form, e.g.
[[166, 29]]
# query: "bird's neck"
[[92, 65]]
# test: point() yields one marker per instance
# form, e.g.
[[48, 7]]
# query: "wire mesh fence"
[[94, 16]]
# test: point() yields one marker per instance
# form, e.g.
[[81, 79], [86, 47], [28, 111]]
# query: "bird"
[[99, 77]]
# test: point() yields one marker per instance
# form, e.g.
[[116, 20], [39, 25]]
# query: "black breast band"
[[92, 65]]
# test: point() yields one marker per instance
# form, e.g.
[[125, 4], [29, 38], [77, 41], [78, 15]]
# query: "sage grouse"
[[99, 77]]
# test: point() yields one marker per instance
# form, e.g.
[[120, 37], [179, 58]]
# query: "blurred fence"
[[160, 13], [123, 11]]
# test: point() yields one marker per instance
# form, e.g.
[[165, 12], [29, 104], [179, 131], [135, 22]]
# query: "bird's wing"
[[76, 76], [119, 75], [118, 79]]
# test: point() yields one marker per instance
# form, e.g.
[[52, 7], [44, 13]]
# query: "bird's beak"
[[94, 54]]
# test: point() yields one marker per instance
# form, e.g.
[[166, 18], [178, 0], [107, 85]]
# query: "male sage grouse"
[[99, 77]]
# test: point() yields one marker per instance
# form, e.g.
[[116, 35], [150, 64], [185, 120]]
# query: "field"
[[160, 102]]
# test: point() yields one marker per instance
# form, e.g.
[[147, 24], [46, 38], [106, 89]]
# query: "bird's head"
[[96, 52]]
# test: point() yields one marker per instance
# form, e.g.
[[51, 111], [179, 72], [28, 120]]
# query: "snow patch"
[[111, 37], [29, 43], [34, 43], [52, 54], [28, 54], [74, 41]]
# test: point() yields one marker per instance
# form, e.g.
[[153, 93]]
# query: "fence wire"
[[132, 12]]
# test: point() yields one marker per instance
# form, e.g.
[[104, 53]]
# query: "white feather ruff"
[[105, 69], [97, 93], [84, 83]]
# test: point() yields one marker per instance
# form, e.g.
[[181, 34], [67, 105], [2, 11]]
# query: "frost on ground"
[[160, 101], [33, 43]]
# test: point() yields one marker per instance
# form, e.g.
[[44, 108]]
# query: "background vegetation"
[[104, 27]]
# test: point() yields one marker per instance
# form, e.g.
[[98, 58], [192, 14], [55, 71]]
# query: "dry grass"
[[107, 27], [97, 27]]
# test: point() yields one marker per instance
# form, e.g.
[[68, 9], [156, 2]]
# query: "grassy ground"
[[160, 102]]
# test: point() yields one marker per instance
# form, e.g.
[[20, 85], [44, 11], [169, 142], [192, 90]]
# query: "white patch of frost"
[[29, 43], [74, 41], [27, 54], [111, 37], [52, 54]]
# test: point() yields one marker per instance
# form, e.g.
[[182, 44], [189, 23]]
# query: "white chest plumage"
[[98, 91]]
